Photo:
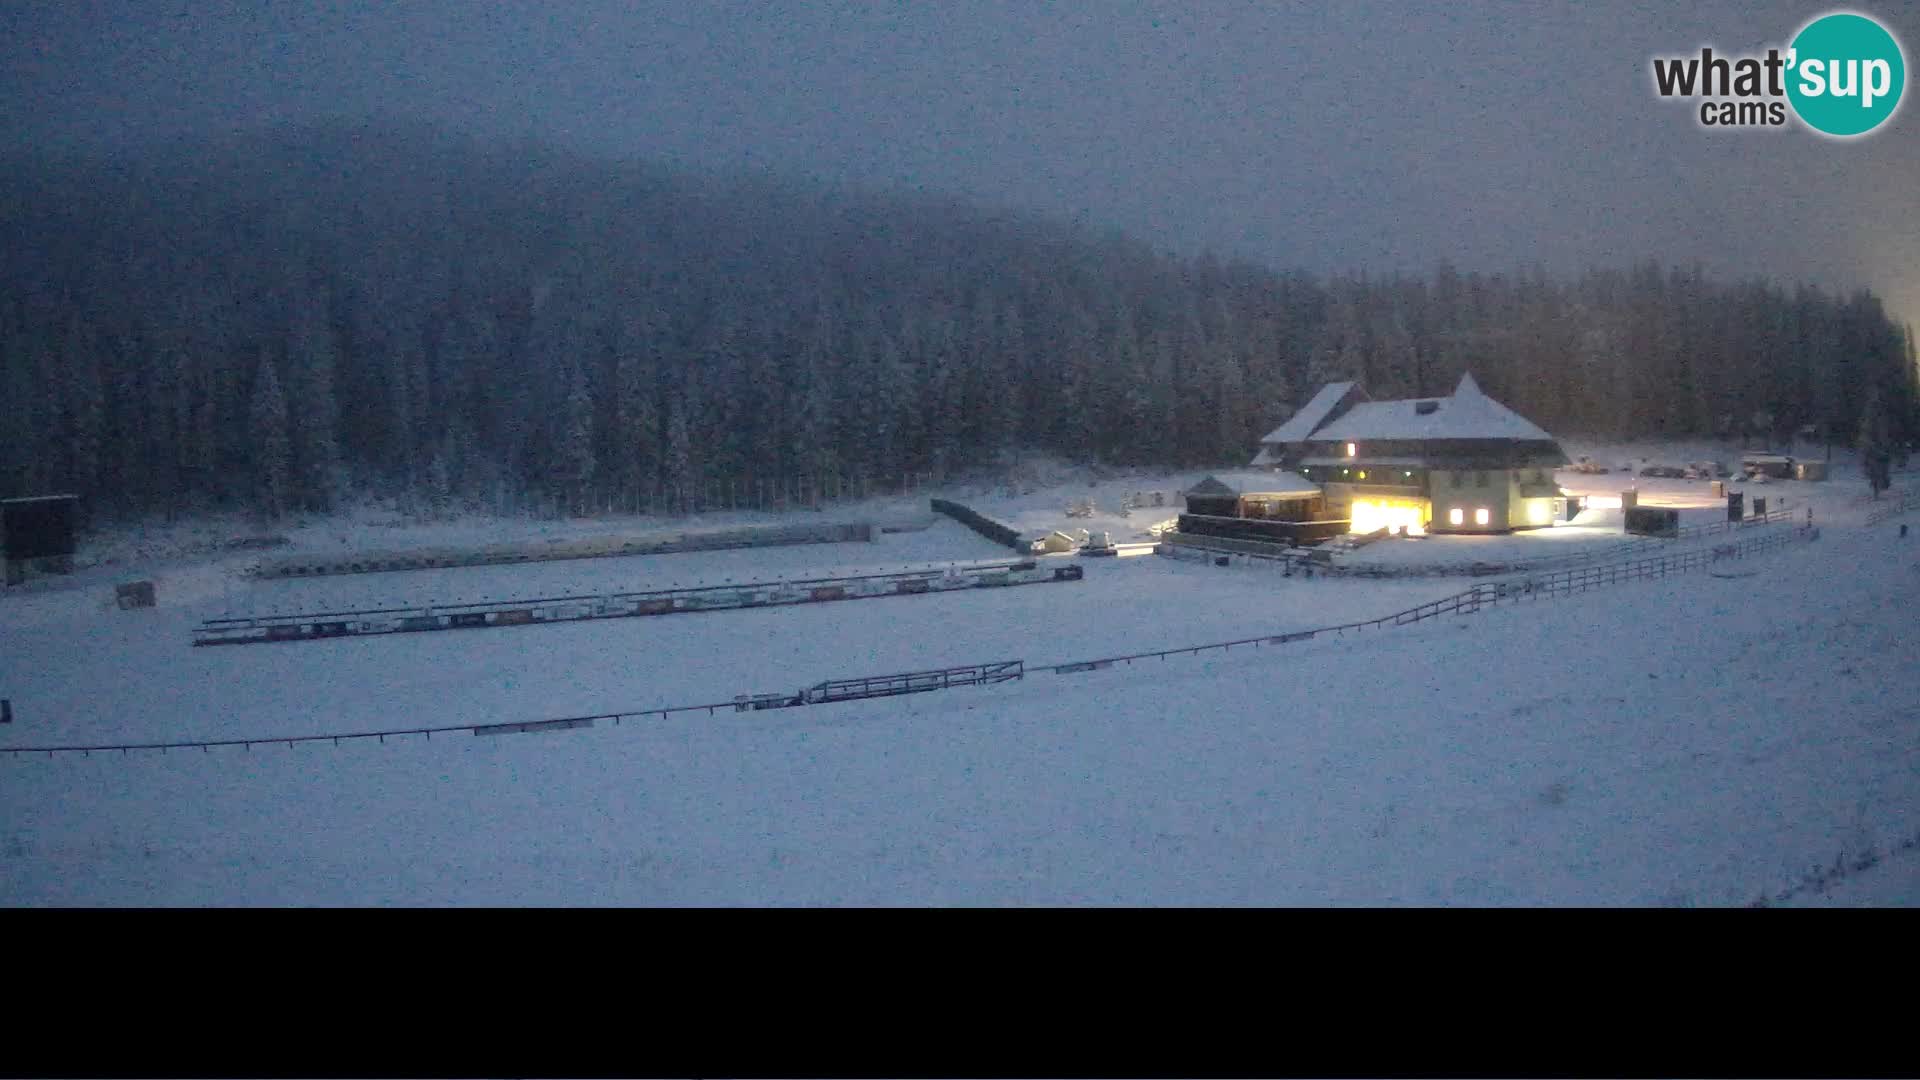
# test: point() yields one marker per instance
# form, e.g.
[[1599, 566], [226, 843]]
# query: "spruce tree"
[[272, 449], [312, 362]]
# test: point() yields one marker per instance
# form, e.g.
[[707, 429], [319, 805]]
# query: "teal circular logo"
[[1845, 74]]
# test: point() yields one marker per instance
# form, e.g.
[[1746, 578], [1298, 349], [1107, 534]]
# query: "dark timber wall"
[[980, 523]]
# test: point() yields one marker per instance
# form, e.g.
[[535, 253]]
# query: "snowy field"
[[136, 677], [1691, 740]]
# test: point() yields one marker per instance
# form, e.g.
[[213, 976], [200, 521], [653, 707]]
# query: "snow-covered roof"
[[1467, 414], [1264, 457], [1332, 462], [1210, 486], [1254, 483], [1311, 415]]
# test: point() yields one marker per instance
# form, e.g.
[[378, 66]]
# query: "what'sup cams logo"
[[1842, 75]]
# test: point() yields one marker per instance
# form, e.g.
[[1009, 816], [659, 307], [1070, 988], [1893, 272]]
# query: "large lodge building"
[[1458, 464]]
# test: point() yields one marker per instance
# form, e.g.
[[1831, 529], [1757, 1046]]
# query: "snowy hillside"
[[1691, 740]]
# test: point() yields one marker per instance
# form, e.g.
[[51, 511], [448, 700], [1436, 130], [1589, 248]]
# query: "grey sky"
[[1349, 136]]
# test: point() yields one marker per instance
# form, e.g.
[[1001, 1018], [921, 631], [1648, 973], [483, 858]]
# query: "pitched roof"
[[1467, 414], [1210, 486], [1254, 483], [1311, 415]]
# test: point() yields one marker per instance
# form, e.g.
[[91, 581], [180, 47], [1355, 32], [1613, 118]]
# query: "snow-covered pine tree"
[[439, 481], [312, 359], [635, 438], [678, 473], [82, 407], [573, 458], [1875, 442], [809, 396], [271, 447], [22, 418]]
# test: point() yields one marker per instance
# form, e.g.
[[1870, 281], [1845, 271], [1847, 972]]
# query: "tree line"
[[277, 320]]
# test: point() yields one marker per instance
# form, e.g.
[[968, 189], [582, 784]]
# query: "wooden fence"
[[1562, 583]]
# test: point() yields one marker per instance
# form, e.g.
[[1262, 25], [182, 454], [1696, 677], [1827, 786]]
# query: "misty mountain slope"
[[267, 319]]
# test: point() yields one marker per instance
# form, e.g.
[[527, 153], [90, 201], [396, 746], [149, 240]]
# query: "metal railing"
[[912, 682], [336, 738]]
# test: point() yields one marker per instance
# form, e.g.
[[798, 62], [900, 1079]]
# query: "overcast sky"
[[1326, 136]]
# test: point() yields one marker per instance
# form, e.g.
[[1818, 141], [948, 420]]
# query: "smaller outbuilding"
[[1265, 496], [1272, 507], [1767, 463]]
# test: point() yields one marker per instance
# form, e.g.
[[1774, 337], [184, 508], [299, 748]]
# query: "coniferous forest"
[[277, 320]]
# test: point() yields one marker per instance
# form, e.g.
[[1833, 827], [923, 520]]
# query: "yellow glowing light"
[[1480, 516], [1539, 511], [1363, 474], [1349, 449], [1369, 515], [1455, 517]]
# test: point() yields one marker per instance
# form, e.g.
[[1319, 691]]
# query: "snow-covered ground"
[[1691, 740]]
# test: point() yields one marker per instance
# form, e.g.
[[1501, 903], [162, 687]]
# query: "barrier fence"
[[822, 693], [1469, 601], [329, 625], [1295, 561], [208, 745], [1771, 517]]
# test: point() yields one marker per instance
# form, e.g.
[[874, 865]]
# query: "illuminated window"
[[1349, 449], [1397, 516], [1363, 474], [1480, 516], [1455, 517]]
